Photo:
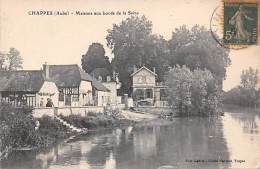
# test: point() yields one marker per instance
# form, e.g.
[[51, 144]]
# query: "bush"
[[17, 127], [52, 130]]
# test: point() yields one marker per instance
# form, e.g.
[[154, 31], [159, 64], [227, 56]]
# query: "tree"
[[2, 60], [196, 48], [133, 45], [11, 60], [248, 92], [95, 58], [178, 81], [194, 92], [249, 85]]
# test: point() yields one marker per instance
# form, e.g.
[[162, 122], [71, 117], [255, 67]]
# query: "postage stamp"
[[240, 23]]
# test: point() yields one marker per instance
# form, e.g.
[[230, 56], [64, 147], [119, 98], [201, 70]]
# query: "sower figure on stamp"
[[238, 21]]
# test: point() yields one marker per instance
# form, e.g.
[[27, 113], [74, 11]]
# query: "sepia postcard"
[[130, 84]]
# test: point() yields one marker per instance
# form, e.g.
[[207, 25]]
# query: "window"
[[163, 94], [61, 96], [149, 93]]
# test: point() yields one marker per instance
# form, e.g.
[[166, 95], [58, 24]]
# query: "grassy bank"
[[18, 128]]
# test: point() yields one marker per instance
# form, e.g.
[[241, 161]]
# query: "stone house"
[[145, 90], [110, 81]]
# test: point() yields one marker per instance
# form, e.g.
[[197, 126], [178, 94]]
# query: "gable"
[[144, 69], [144, 72]]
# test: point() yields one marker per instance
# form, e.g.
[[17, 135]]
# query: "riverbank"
[[19, 128]]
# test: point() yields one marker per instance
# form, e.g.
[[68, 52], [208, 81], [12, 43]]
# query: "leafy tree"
[[249, 80], [248, 92], [95, 58], [11, 60], [196, 48], [2, 60], [133, 44], [194, 92], [178, 81]]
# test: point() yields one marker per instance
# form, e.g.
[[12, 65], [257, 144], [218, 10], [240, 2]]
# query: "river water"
[[231, 141]]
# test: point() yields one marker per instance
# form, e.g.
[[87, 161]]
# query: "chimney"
[[46, 70], [154, 69]]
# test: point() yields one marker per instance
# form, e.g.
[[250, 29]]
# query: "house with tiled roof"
[[27, 87]]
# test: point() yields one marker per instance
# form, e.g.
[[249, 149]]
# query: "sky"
[[64, 39]]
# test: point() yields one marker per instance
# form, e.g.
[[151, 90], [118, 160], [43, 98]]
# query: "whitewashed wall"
[[112, 86], [84, 87], [66, 111], [48, 90], [103, 98]]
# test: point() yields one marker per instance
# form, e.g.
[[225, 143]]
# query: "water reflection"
[[243, 139], [152, 146]]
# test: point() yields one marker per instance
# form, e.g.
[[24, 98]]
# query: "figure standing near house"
[[238, 19], [49, 103]]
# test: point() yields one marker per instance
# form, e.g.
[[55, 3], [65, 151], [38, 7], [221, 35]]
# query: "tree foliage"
[[248, 92], [133, 44], [194, 92], [95, 58], [196, 48], [11, 60]]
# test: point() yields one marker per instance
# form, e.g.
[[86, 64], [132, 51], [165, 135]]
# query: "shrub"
[[17, 127]]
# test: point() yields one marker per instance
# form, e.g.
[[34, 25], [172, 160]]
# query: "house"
[[145, 90], [27, 87], [110, 81], [76, 87], [65, 85]]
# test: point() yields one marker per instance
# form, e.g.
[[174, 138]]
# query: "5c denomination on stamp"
[[240, 23]]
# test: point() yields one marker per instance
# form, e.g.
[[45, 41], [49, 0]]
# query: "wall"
[[85, 89], [103, 98], [48, 90], [66, 111], [112, 86]]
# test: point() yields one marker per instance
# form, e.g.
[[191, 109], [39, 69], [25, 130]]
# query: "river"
[[230, 141]]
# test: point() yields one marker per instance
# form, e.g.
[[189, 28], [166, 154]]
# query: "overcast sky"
[[63, 39]]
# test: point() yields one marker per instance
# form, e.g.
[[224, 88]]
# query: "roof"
[[104, 73], [71, 76], [95, 83], [145, 68], [21, 81]]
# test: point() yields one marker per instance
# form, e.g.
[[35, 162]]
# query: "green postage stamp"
[[240, 23]]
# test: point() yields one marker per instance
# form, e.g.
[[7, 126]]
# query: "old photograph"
[[133, 84]]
